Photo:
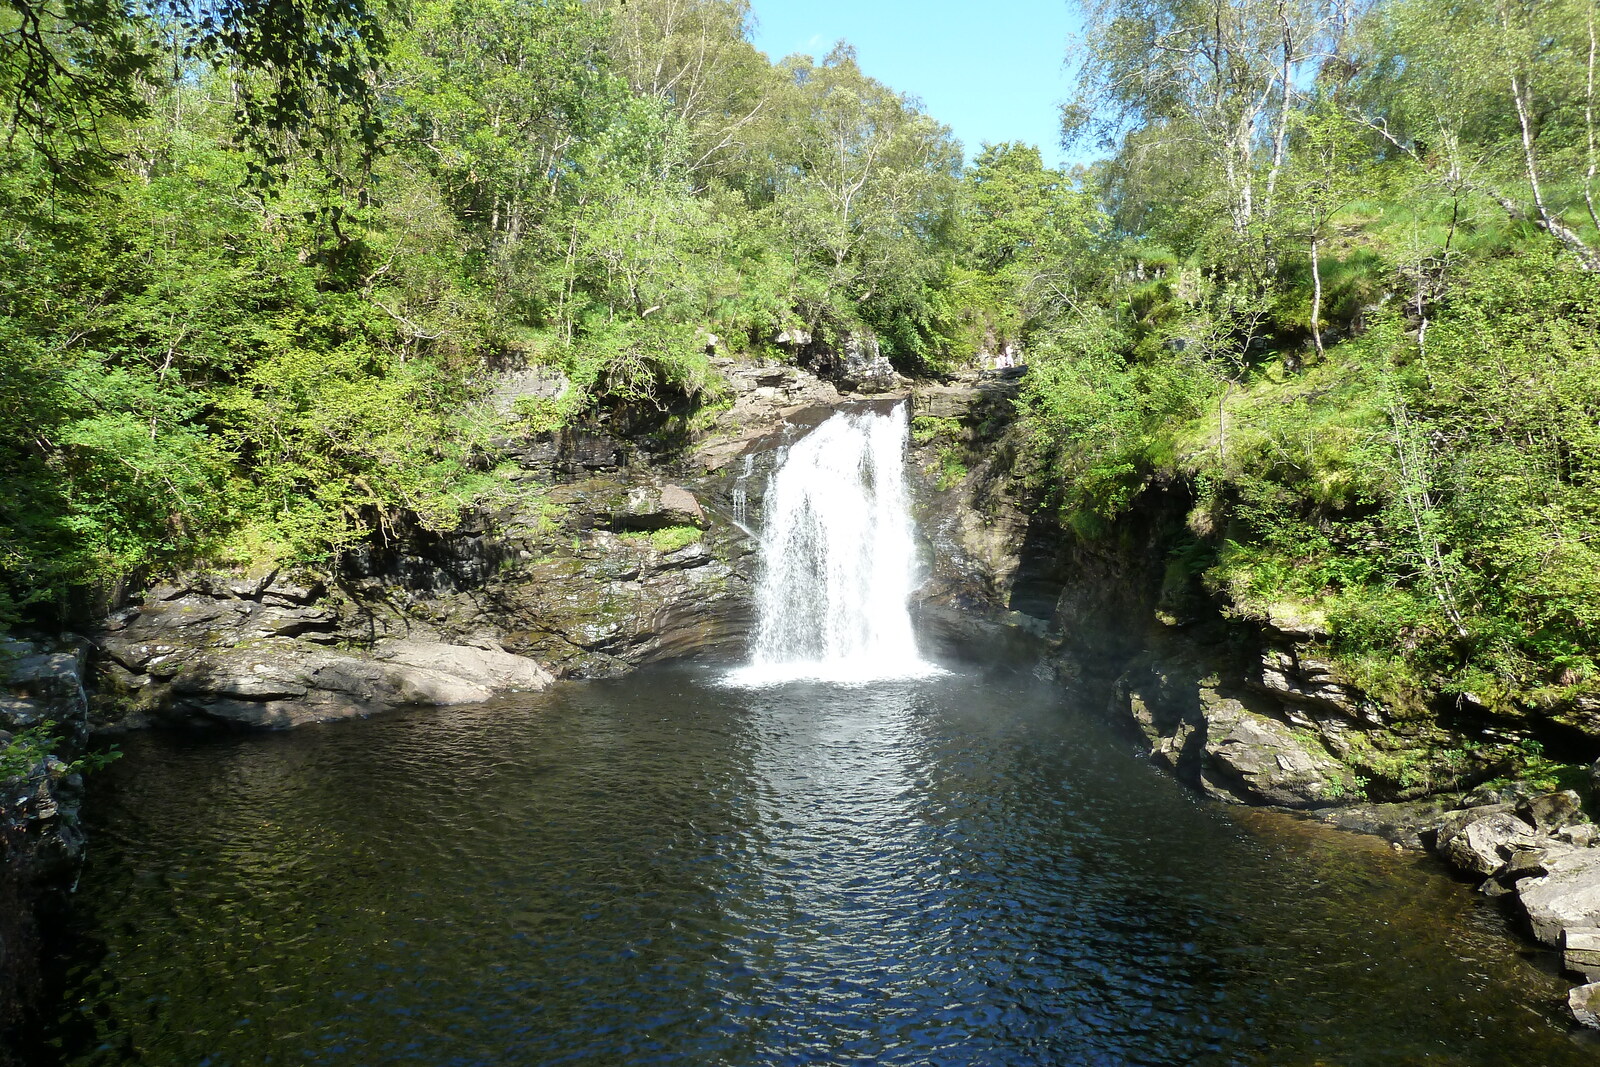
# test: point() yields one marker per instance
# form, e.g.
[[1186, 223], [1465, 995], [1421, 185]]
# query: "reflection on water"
[[659, 870]]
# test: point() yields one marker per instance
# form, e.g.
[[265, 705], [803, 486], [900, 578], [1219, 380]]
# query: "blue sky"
[[991, 71]]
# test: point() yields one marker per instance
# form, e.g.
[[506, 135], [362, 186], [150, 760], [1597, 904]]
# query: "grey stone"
[[1524, 863], [496, 668], [1262, 759], [1169, 742], [277, 621], [1580, 951], [1285, 676], [39, 684], [1566, 897], [285, 591], [1553, 811], [1584, 1001], [249, 586], [1481, 843], [650, 507], [239, 677]]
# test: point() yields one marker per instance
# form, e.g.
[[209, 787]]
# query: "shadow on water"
[[659, 869]]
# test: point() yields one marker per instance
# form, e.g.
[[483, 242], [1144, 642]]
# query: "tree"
[[1217, 75], [867, 185], [1325, 175], [498, 94], [1029, 222], [66, 66], [1496, 96], [695, 56]]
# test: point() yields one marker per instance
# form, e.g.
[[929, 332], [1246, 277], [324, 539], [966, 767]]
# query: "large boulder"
[[1232, 750], [283, 683], [1550, 813], [1480, 840], [1568, 897], [495, 668]]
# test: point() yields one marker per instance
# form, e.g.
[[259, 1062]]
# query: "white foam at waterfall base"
[[838, 560]]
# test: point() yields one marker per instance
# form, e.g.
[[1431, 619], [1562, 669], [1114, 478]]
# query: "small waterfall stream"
[[838, 559]]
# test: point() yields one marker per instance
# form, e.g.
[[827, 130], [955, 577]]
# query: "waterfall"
[[838, 559]]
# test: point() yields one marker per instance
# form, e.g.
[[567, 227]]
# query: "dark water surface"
[[657, 870]]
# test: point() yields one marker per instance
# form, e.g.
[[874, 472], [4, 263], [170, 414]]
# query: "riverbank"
[[1251, 706]]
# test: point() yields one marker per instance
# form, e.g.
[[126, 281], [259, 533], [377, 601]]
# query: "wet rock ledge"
[[594, 577], [44, 713]]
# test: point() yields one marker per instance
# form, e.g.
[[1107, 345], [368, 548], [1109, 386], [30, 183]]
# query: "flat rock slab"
[[492, 667], [280, 683]]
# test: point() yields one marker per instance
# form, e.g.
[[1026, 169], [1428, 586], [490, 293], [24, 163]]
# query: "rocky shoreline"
[[626, 557]]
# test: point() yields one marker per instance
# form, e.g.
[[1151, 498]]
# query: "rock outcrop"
[[593, 577], [619, 552], [1543, 854], [1226, 742], [43, 725]]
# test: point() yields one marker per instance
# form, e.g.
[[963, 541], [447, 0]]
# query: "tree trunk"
[[1316, 295], [1588, 126], [1522, 97]]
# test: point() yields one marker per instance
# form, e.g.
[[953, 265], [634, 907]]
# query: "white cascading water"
[[838, 559]]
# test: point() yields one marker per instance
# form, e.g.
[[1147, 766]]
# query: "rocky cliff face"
[[598, 574], [1248, 707]]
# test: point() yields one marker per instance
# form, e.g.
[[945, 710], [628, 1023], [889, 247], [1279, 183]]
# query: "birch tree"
[[696, 56], [1496, 96], [866, 175], [1221, 75]]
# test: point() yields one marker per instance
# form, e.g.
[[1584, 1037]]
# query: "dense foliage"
[[259, 263], [1336, 274], [1349, 298]]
